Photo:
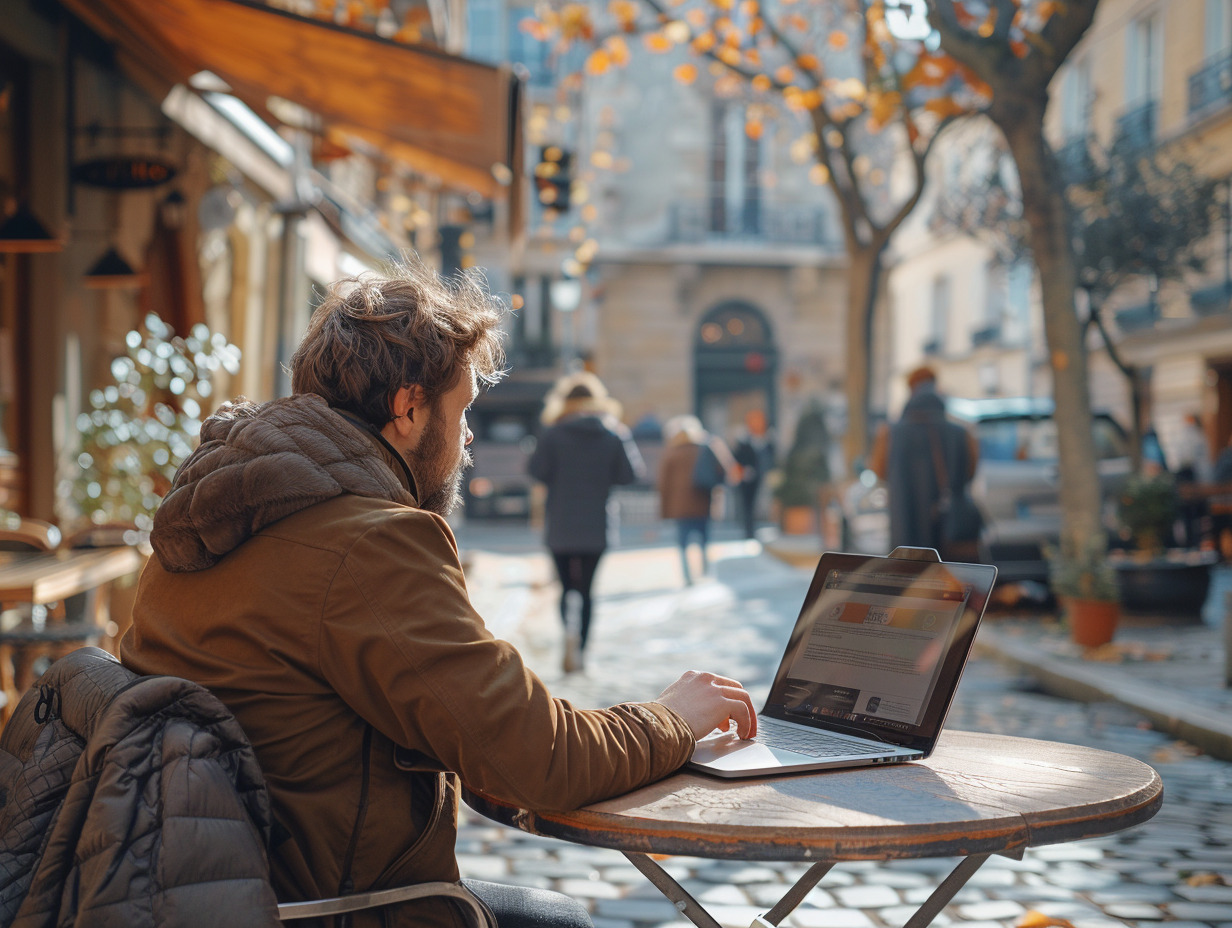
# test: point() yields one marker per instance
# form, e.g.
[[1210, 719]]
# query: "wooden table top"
[[977, 793], [48, 578]]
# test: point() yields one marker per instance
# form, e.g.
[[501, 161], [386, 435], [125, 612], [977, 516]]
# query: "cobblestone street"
[[649, 628]]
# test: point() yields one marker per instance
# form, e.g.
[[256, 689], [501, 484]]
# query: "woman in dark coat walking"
[[582, 455]]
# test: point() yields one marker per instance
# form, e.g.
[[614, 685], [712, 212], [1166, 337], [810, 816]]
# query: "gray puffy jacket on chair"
[[128, 800]]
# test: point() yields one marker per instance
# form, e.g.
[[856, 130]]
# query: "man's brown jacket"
[[295, 578]]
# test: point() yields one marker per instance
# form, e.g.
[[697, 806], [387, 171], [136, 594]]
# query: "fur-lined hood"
[[257, 464]]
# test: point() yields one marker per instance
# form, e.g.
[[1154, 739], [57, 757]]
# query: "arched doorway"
[[735, 364]]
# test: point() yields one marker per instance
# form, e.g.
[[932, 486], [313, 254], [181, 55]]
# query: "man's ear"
[[407, 413]]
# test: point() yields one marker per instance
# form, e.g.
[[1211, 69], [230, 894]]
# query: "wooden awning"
[[445, 116]]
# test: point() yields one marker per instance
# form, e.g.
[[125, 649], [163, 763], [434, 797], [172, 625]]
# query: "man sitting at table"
[[305, 574]]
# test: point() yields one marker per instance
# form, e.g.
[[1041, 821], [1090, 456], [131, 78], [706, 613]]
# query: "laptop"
[[869, 671]]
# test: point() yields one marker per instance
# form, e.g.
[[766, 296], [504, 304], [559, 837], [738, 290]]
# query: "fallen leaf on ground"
[[1034, 919]]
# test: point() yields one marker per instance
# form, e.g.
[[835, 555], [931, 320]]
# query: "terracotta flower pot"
[[1092, 622], [798, 520]]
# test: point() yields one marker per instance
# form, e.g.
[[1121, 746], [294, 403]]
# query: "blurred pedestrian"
[[927, 463], [582, 455], [1193, 457], [754, 452], [694, 464]]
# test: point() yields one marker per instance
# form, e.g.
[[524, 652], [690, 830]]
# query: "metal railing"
[[1136, 126], [1211, 84], [986, 335], [769, 223]]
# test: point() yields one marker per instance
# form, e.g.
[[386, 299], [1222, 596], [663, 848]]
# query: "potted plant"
[[1155, 577], [131, 441], [805, 471], [140, 427], [1086, 584], [1147, 511]]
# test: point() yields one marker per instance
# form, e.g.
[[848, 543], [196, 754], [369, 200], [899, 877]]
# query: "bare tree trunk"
[[863, 282], [1020, 118]]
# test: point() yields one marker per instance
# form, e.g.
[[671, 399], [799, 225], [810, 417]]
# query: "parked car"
[[1015, 486]]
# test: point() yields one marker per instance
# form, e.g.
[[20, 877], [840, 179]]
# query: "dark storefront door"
[[735, 367]]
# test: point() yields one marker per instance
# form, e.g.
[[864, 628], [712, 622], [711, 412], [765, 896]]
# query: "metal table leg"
[[678, 896], [693, 911]]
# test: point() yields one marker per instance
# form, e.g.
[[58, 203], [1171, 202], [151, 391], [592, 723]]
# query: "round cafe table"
[[975, 796]]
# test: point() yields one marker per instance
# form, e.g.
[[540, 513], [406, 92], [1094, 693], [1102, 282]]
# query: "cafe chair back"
[[138, 801]]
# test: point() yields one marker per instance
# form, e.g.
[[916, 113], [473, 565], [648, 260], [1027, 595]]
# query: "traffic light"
[[553, 177]]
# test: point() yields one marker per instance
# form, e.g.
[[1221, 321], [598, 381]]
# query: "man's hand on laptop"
[[707, 701]]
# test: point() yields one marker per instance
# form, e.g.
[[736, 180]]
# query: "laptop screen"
[[879, 646]]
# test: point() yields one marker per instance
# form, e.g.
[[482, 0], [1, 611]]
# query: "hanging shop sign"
[[123, 173]]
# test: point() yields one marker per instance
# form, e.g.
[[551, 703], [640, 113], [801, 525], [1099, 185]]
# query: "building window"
[[1217, 36], [735, 173], [1143, 60], [526, 50], [940, 312], [484, 34], [1076, 99]]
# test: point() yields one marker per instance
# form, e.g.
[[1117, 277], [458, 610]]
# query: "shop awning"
[[443, 115]]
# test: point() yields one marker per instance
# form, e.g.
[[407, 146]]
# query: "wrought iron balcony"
[[1211, 85], [769, 223], [1216, 298], [986, 335], [1136, 126], [1074, 159]]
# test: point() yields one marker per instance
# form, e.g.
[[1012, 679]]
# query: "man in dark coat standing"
[[755, 455], [583, 454], [921, 457]]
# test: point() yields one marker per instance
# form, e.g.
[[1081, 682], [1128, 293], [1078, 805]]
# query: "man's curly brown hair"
[[374, 334]]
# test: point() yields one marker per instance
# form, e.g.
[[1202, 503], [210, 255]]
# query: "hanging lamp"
[[22, 233], [112, 272]]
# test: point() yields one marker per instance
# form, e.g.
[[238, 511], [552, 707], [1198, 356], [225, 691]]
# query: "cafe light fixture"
[[22, 233], [112, 272]]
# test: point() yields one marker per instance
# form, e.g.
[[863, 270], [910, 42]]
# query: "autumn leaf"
[[619, 50], [819, 174], [725, 5], [696, 18], [753, 57], [622, 9], [1205, 879], [1034, 919], [685, 73], [761, 83], [808, 62], [703, 43], [797, 22], [657, 42], [598, 62], [838, 40], [883, 106], [730, 56], [754, 129], [1019, 48]]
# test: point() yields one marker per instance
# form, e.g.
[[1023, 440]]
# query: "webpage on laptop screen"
[[875, 648]]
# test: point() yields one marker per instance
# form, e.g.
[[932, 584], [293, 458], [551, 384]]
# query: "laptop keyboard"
[[811, 742]]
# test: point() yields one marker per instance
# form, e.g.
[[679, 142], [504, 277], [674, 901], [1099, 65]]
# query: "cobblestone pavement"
[[1177, 868]]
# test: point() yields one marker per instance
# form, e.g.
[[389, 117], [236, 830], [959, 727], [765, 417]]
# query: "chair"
[[33, 632], [477, 913], [95, 605], [89, 691]]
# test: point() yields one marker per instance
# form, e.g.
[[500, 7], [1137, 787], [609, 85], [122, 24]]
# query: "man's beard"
[[438, 468]]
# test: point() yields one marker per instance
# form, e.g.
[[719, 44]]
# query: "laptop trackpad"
[[726, 751]]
